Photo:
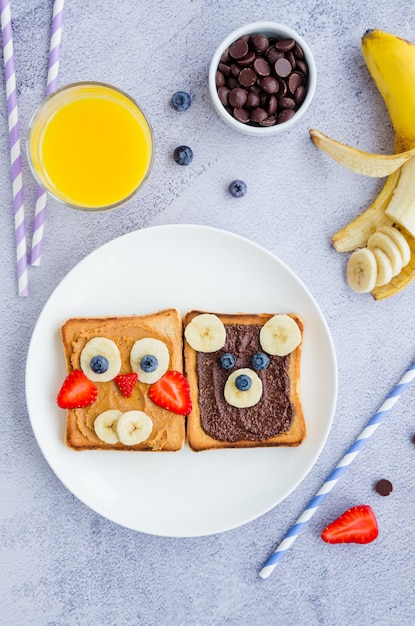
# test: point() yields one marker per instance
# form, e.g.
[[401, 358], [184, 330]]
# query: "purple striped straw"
[[338, 472], [51, 85], [14, 144]]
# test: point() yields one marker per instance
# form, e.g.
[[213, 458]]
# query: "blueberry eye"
[[149, 363], [227, 360], [243, 382], [99, 364], [260, 361]]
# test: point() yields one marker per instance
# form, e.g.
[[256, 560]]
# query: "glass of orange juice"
[[90, 146]]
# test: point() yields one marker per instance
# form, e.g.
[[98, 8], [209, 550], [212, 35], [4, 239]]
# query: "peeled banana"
[[391, 63]]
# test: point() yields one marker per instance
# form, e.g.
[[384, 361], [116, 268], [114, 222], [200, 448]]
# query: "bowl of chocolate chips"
[[262, 78]]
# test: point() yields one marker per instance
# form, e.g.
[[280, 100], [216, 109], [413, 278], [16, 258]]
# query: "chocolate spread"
[[271, 416]]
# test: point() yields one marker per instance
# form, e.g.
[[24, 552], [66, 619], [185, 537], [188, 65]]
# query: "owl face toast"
[[125, 389], [244, 376]]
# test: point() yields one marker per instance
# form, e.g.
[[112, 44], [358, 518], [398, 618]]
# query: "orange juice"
[[90, 146]]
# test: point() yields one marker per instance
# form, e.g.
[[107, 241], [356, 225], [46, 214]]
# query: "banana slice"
[[250, 390], [362, 270], [386, 243], [134, 427], [358, 161], [384, 267], [400, 241], [100, 359], [150, 359], [105, 426], [280, 335], [205, 333]]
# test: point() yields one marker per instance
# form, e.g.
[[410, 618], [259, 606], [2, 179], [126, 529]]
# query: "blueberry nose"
[[243, 382]]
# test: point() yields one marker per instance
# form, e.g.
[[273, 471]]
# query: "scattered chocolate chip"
[[384, 487], [262, 81]]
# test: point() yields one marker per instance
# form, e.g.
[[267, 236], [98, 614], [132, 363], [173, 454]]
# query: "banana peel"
[[391, 64]]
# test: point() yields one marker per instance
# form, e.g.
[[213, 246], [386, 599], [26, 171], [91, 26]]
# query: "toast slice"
[[168, 428], [275, 419]]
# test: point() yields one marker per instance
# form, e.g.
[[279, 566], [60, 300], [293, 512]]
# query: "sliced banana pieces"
[[105, 426], [100, 359], [129, 428], [387, 252], [133, 427], [205, 333], [249, 394], [150, 359], [280, 335]]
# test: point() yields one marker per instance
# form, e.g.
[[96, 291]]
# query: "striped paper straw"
[[15, 153], [51, 85], [338, 472]]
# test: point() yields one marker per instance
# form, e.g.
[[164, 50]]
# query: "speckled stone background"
[[60, 563]]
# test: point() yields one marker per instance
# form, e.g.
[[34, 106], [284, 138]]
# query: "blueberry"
[[99, 364], [181, 101], [237, 188], [227, 360], [183, 155], [243, 382], [149, 363], [260, 361]]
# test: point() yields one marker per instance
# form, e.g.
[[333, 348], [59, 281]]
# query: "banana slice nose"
[[243, 388]]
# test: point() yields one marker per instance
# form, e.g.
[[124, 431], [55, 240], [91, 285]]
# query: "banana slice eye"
[[150, 359], [243, 388], [100, 359]]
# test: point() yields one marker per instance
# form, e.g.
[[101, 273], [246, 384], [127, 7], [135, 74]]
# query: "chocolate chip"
[[235, 69], [272, 105], [261, 67], [273, 54], [286, 103], [232, 82], [294, 81], [247, 59], [302, 65], [238, 49], [225, 56], [241, 115], [285, 115], [223, 93], [237, 97], [220, 79], [259, 115], [285, 45], [300, 94], [384, 487], [298, 52], [283, 67], [270, 84], [247, 77], [271, 120], [260, 42], [253, 100]]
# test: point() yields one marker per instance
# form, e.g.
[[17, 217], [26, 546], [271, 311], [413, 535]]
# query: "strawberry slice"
[[356, 525], [126, 383], [172, 392], [77, 391]]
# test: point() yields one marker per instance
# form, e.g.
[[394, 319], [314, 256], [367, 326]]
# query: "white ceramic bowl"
[[271, 29]]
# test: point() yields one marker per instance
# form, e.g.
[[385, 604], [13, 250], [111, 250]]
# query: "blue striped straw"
[[338, 472]]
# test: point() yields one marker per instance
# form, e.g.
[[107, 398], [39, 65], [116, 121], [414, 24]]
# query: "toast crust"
[[168, 428], [197, 438]]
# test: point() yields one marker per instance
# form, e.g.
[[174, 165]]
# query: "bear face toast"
[[125, 389], [244, 377]]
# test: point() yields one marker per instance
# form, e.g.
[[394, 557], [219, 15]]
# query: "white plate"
[[180, 494]]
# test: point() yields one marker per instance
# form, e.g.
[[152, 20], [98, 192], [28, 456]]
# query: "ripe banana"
[[391, 63]]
